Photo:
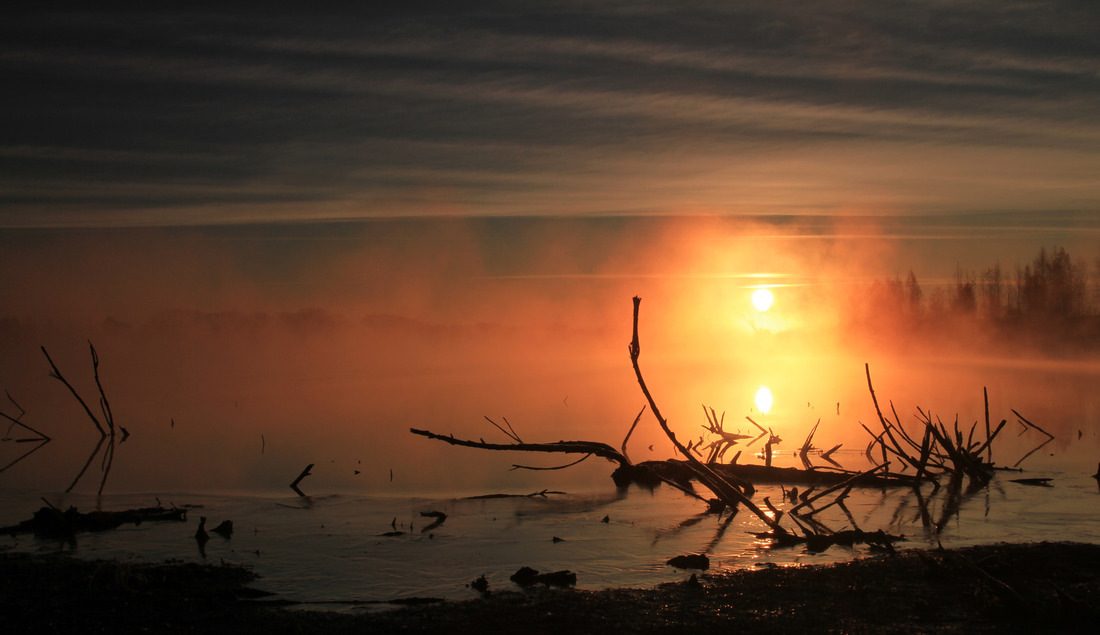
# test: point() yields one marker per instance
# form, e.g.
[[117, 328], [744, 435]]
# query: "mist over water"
[[236, 358]]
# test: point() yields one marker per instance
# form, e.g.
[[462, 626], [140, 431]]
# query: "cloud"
[[215, 115]]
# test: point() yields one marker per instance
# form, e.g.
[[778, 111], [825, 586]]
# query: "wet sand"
[[1039, 587]]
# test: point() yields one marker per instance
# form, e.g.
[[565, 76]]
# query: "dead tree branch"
[[56, 374], [601, 450], [18, 420], [306, 472], [631, 430], [726, 491]]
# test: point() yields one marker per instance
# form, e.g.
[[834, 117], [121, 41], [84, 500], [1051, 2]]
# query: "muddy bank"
[[1052, 587]]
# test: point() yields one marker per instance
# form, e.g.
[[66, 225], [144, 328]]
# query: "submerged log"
[[676, 470], [526, 576], [817, 543], [691, 561], [439, 518], [51, 522]]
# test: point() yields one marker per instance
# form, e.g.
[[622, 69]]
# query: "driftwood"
[[818, 542], [677, 470], [601, 450], [731, 484], [51, 522], [306, 472], [526, 576], [439, 518], [690, 561], [941, 452], [938, 453], [540, 494]]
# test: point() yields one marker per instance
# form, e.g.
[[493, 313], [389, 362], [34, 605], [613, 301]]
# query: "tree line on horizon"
[[1052, 289]]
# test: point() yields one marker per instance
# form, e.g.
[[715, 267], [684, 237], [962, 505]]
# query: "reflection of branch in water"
[[1050, 437], [18, 421], [40, 440], [27, 453], [555, 467], [952, 502], [108, 417], [719, 533], [922, 506], [108, 459], [851, 519], [680, 526], [85, 468]]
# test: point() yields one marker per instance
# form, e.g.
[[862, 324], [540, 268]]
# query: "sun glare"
[[762, 299], [764, 400]]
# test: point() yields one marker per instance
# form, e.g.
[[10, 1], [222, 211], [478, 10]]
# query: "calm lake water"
[[331, 548], [229, 447]]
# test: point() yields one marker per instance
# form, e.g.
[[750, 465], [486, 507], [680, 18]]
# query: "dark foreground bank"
[[1047, 587]]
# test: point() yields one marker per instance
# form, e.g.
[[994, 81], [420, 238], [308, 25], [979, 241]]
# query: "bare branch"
[[721, 487], [56, 374], [631, 430], [601, 450]]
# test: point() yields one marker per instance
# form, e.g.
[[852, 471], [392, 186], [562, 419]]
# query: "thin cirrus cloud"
[[211, 116]]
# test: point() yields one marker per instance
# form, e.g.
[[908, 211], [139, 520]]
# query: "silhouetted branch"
[[722, 488], [305, 473], [18, 421], [848, 483], [631, 430], [104, 405], [509, 432], [56, 374], [601, 450]]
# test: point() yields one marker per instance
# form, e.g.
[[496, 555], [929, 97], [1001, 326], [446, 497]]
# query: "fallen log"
[[818, 542], [526, 576], [51, 522], [677, 470]]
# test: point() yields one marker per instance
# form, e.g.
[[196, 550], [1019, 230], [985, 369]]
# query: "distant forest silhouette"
[[1052, 302]]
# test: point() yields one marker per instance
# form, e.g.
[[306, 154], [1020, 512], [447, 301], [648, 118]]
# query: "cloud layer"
[[216, 116]]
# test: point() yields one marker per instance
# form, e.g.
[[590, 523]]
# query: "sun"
[[764, 400], [762, 299]]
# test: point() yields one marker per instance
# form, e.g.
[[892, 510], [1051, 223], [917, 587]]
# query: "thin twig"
[[511, 435], [631, 430], [104, 405]]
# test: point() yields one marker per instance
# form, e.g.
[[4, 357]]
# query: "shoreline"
[[1054, 587]]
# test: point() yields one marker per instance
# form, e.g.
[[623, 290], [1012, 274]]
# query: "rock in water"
[[526, 576], [691, 561], [480, 585], [225, 529]]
